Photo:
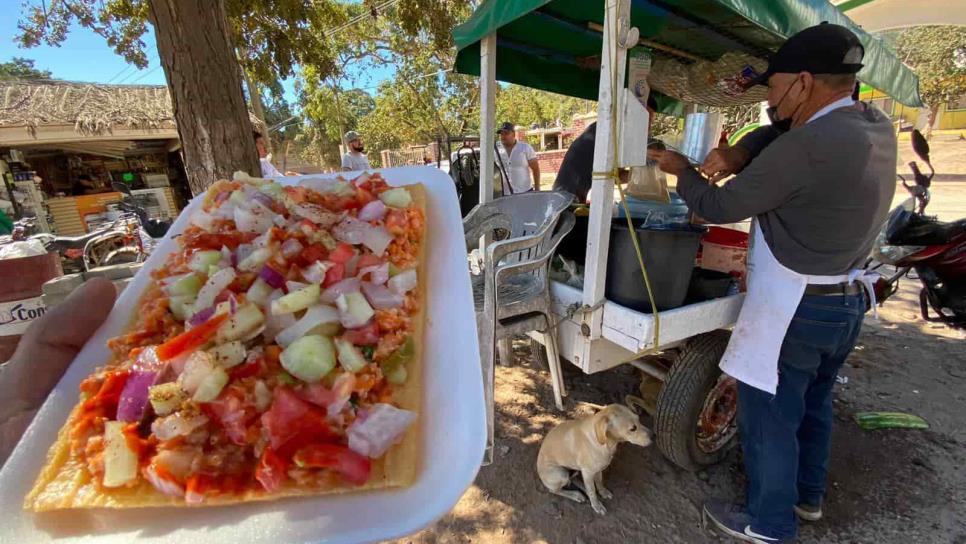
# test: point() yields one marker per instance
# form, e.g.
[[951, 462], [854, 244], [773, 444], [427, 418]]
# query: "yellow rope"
[[613, 174]]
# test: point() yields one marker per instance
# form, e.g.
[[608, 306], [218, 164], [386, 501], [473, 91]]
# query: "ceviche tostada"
[[275, 353]]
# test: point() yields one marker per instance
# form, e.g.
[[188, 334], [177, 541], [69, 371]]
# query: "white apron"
[[774, 292]]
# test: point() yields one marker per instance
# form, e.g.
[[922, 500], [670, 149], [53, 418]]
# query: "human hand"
[[723, 162], [669, 161], [46, 349]]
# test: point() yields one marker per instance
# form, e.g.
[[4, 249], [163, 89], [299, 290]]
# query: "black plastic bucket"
[[669, 254]]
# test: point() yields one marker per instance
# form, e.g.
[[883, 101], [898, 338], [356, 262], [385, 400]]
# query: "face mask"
[[781, 125]]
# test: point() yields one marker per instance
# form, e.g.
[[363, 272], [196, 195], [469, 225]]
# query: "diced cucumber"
[[286, 378], [397, 361], [397, 198], [247, 320], [181, 306], [309, 358], [397, 376], [188, 285], [327, 329], [354, 309], [255, 260], [259, 292], [166, 397], [350, 357], [120, 462], [393, 270], [228, 355], [211, 386], [237, 198], [213, 269], [271, 189], [196, 369], [202, 260], [297, 300], [326, 239]]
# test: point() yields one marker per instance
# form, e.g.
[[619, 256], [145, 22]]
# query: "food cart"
[[698, 49]]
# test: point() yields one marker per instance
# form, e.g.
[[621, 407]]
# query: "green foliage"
[[938, 56], [527, 107], [21, 68]]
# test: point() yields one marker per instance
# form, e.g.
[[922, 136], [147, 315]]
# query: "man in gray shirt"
[[820, 192]]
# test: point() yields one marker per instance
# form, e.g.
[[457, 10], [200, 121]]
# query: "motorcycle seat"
[[913, 229]]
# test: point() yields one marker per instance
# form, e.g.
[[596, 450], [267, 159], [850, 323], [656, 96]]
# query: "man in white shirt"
[[515, 161], [355, 159]]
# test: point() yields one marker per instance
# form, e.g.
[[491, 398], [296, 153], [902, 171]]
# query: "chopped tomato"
[[271, 470], [293, 423], [233, 414], [103, 401], [190, 339], [367, 335], [334, 274], [297, 194], [317, 394], [246, 370], [342, 254], [315, 252], [206, 240], [368, 260], [396, 221], [363, 196], [353, 467]]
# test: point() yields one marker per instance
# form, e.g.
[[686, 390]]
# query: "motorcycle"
[[912, 241]]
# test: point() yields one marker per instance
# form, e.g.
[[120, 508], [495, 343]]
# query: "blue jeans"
[[786, 437]]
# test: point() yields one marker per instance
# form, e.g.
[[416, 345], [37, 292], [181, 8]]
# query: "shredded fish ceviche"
[[267, 350]]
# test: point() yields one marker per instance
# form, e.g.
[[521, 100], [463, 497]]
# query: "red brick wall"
[[550, 160]]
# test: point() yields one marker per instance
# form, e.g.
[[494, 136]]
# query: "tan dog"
[[587, 445]]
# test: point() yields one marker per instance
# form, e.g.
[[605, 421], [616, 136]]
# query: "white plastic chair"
[[512, 294]]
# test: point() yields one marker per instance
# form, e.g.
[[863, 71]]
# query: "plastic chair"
[[512, 294]]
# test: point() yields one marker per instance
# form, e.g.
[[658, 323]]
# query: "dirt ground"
[[887, 486]]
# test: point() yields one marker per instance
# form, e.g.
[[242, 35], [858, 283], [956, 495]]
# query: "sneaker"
[[734, 521], [809, 512]]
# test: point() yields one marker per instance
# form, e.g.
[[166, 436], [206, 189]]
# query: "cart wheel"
[[698, 405]]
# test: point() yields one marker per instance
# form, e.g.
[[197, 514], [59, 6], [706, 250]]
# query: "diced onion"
[[217, 283], [347, 285], [315, 272], [164, 485], [316, 214], [373, 211], [342, 391], [353, 231], [320, 314], [382, 427], [403, 282], [168, 427], [202, 220], [378, 274], [291, 248], [380, 297], [291, 286], [256, 219], [263, 199], [256, 259], [201, 316]]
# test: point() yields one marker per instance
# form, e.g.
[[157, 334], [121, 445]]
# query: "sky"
[[85, 56]]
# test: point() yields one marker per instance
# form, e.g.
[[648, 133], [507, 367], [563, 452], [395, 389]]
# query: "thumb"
[[52, 341]]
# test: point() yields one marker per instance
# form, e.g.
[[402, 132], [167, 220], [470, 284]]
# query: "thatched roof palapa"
[[92, 108]]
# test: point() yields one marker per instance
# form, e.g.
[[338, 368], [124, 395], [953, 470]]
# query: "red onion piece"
[[134, 396], [201, 316], [348, 285], [354, 231], [382, 427], [378, 274], [263, 199], [315, 272], [373, 211], [291, 248], [364, 177], [272, 277], [380, 297]]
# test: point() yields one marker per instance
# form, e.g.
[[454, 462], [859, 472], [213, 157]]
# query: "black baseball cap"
[[821, 49], [506, 127]]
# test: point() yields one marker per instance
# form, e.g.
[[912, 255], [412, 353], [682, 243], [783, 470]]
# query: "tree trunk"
[[933, 114], [206, 90], [255, 97]]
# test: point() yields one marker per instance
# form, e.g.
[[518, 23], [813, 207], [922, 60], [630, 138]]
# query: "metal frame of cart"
[[694, 414]]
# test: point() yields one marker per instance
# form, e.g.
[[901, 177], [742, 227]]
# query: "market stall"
[[681, 52], [70, 141]]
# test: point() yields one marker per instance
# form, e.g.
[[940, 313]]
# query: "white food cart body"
[[610, 334]]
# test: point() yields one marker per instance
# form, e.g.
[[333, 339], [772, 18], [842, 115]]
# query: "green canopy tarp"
[[546, 44]]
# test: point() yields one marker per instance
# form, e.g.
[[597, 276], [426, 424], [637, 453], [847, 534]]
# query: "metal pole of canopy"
[[612, 69], [487, 115]]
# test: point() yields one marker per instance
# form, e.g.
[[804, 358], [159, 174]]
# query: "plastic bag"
[[648, 183], [28, 248]]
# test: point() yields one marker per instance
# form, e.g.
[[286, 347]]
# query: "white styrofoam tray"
[[451, 418]]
